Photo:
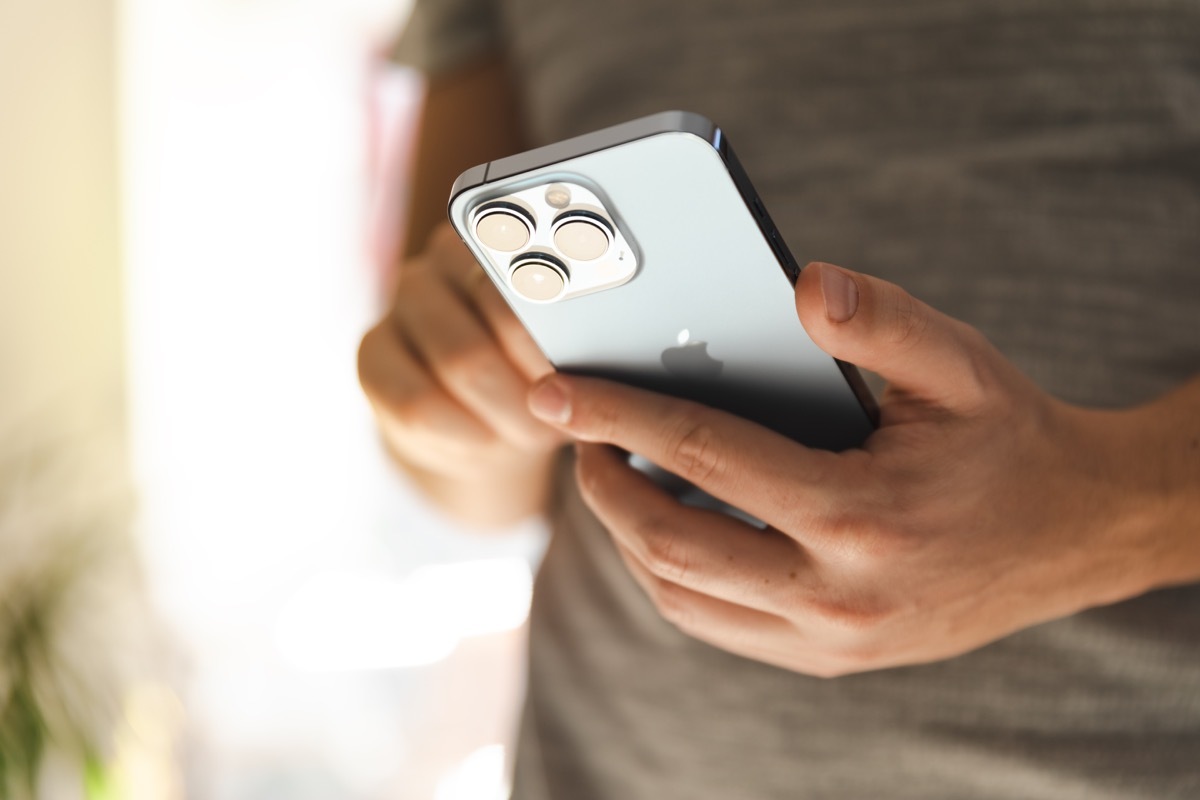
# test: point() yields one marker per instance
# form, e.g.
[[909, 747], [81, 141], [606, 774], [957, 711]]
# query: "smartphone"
[[641, 253]]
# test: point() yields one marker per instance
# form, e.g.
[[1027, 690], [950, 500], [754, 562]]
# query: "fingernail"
[[548, 401], [840, 292]]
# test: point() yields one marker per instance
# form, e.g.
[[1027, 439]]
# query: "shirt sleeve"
[[443, 34]]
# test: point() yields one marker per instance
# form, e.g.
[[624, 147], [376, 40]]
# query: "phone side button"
[[782, 257]]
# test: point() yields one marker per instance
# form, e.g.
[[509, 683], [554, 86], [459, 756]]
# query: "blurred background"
[[212, 583]]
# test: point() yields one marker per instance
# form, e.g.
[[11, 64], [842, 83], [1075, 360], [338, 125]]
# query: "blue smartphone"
[[641, 253]]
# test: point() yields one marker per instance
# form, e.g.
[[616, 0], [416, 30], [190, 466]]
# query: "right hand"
[[447, 371]]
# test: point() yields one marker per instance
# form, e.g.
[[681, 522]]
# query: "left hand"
[[980, 507]]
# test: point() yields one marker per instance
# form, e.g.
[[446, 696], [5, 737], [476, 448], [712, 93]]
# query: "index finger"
[[791, 487], [473, 283]]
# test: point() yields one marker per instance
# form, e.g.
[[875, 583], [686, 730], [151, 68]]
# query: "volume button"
[[781, 255], [773, 238]]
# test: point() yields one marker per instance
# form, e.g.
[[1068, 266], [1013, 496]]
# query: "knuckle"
[[910, 320], [853, 617], [981, 376], [693, 450], [369, 374], [599, 420], [414, 412], [586, 478], [883, 541], [864, 539], [386, 381], [663, 550], [860, 656], [536, 437], [880, 528], [467, 365]]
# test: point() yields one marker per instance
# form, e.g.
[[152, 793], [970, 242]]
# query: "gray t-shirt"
[[1029, 166]]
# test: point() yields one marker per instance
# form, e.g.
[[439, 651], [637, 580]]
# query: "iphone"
[[641, 253]]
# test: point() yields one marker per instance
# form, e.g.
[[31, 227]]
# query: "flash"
[[558, 196]]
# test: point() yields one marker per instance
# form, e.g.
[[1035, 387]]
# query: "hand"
[[447, 372], [980, 507]]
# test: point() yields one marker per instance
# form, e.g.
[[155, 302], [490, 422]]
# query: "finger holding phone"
[[447, 371], [982, 505]]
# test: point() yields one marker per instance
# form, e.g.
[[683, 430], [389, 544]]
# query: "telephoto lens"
[[582, 235], [581, 239]]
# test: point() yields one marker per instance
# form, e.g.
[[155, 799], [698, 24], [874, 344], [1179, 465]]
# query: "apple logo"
[[690, 359]]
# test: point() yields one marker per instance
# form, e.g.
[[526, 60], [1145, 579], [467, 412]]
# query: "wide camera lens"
[[582, 239], [503, 231]]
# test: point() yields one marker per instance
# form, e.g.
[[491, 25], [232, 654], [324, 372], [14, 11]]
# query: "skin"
[[982, 505], [447, 373]]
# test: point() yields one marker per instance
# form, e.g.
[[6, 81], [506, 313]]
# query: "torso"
[[1032, 168]]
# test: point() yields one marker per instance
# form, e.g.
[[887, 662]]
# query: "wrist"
[[1149, 500]]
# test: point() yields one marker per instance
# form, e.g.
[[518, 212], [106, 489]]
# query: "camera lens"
[[580, 240], [582, 236], [538, 279], [502, 230]]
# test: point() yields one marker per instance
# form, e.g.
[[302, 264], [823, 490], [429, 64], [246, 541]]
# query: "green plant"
[[70, 608]]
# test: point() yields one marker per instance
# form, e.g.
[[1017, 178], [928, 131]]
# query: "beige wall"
[[60, 284]]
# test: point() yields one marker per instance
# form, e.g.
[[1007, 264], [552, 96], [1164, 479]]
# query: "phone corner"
[[469, 179]]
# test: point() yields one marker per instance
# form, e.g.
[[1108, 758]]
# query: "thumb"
[[880, 327]]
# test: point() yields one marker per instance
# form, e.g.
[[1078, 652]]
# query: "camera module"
[[549, 241]]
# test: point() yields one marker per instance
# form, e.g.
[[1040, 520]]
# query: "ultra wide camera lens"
[[538, 280], [502, 230], [582, 239]]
